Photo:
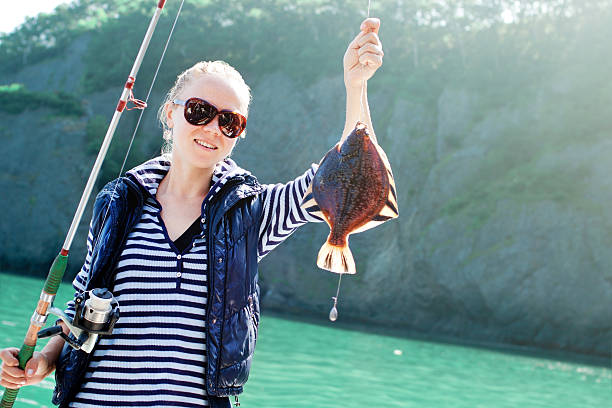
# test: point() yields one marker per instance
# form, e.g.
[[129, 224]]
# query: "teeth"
[[201, 143]]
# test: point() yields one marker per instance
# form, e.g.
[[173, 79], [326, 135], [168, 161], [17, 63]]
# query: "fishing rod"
[[58, 267]]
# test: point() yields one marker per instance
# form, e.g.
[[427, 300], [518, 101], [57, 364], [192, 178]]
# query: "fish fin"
[[308, 194], [316, 211], [308, 200], [392, 197], [388, 212], [384, 158], [336, 259], [309, 204], [368, 225]]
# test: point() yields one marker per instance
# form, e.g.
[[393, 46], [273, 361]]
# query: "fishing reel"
[[96, 313]]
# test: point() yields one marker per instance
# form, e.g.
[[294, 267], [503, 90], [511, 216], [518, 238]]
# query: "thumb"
[[370, 25], [32, 366]]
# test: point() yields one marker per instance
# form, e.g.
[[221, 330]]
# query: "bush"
[[15, 98]]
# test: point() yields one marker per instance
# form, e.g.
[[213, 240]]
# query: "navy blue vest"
[[232, 318]]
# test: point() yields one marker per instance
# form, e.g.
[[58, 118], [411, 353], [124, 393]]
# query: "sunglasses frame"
[[184, 103]]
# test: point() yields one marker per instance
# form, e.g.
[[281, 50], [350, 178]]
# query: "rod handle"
[[10, 395], [56, 273]]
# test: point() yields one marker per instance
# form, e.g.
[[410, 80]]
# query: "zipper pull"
[[236, 402]]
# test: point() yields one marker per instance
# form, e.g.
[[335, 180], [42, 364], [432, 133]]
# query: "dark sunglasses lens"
[[199, 112], [231, 124]]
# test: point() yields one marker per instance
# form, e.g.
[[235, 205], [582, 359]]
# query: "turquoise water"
[[299, 364]]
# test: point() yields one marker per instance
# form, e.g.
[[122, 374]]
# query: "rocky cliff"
[[504, 228]]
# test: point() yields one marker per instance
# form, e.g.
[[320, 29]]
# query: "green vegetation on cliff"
[[496, 56], [15, 98], [495, 116]]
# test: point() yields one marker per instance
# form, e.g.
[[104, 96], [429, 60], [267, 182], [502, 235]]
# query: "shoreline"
[[354, 324], [349, 322]]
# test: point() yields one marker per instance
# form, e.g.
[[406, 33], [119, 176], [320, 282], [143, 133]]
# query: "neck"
[[185, 181]]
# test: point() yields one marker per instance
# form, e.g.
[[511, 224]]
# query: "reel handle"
[[58, 331], [50, 332]]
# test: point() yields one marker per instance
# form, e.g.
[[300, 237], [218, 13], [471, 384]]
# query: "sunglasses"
[[198, 112]]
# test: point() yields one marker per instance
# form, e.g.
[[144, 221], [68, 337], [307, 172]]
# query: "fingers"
[[355, 43], [364, 55], [11, 376], [14, 372], [370, 49], [371, 60], [368, 38], [7, 379], [364, 38], [368, 43], [371, 52], [371, 24], [9, 356]]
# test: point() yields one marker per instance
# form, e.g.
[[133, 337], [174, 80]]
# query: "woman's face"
[[204, 146]]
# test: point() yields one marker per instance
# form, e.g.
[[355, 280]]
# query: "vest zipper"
[[252, 312], [208, 294]]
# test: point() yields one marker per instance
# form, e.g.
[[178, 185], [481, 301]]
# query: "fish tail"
[[338, 259]]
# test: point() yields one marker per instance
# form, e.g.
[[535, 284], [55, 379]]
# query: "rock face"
[[503, 235]]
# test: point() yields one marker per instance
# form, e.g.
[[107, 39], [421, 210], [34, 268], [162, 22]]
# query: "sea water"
[[319, 365]]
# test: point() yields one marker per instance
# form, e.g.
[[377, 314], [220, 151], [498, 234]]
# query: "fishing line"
[[140, 116], [361, 97], [151, 87], [333, 313], [58, 267]]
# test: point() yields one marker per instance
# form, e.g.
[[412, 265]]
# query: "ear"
[[169, 112]]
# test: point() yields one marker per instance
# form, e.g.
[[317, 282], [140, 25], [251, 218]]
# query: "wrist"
[[52, 351], [352, 86], [49, 361]]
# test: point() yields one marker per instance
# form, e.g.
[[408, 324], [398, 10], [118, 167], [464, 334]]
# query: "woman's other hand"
[[364, 54], [12, 376]]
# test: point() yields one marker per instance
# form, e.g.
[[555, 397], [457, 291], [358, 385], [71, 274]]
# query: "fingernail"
[[29, 372]]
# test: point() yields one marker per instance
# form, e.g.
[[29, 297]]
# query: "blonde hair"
[[220, 68]]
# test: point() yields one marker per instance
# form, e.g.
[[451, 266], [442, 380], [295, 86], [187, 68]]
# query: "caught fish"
[[353, 191]]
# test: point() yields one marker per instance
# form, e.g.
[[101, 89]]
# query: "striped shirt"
[[156, 355]]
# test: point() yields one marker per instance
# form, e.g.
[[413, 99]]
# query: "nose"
[[213, 126]]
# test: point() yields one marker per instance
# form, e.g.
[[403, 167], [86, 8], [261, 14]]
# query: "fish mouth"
[[205, 145]]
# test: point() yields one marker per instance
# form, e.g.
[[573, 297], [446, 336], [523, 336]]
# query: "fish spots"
[[355, 190]]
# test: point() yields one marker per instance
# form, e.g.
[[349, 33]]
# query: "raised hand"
[[364, 54]]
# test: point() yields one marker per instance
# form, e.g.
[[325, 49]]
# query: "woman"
[[187, 289]]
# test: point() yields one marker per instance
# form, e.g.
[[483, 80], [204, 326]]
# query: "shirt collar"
[[150, 173]]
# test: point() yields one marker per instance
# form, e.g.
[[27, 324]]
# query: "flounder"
[[353, 190]]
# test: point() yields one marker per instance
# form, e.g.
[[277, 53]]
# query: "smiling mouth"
[[205, 145]]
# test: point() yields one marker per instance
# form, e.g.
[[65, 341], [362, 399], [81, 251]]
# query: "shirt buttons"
[[203, 220], [193, 245], [220, 260], [178, 274], [178, 256]]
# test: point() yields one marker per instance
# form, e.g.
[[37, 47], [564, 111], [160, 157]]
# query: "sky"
[[15, 12]]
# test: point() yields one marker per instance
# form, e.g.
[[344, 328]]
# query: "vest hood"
[[150, 173]]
